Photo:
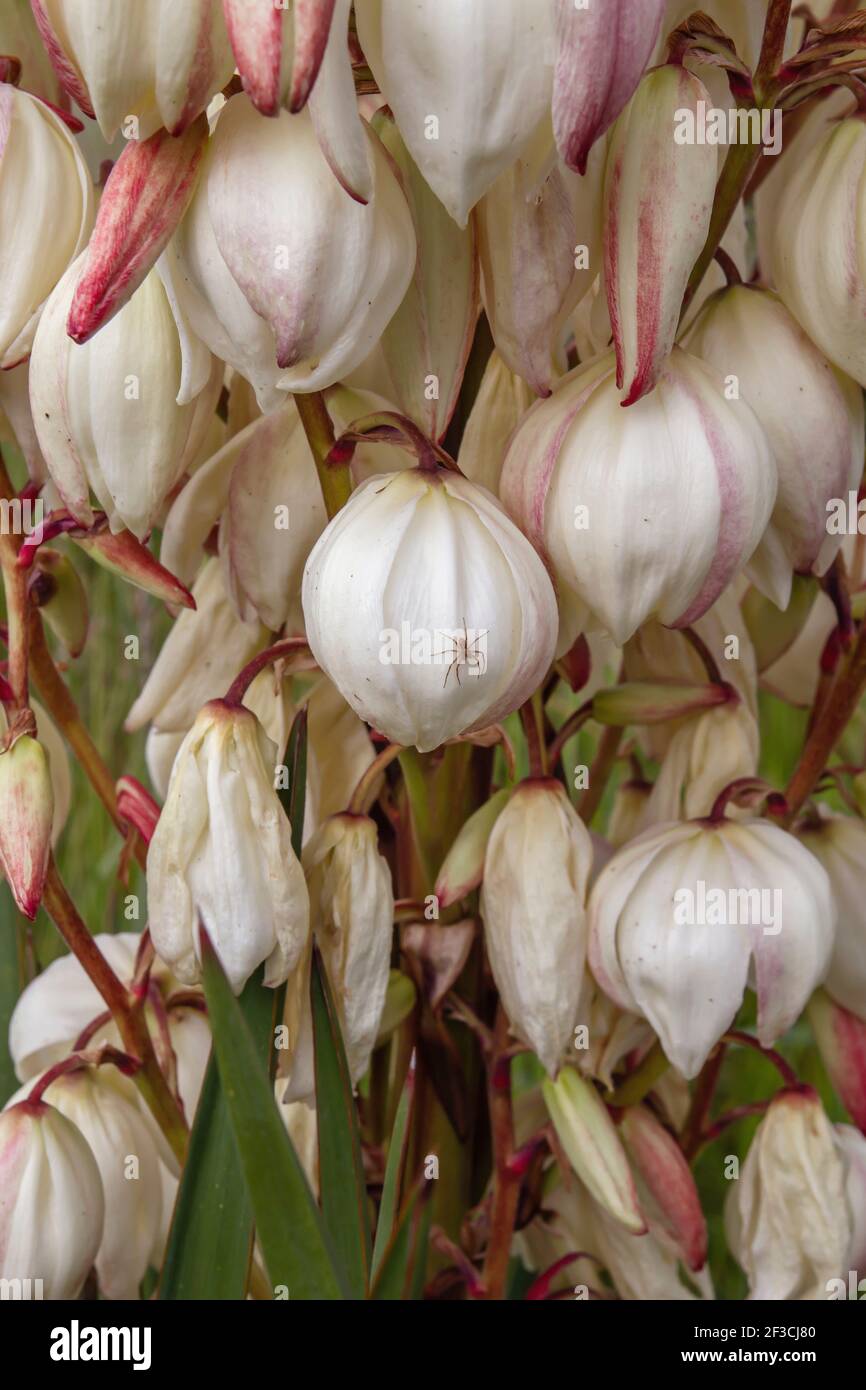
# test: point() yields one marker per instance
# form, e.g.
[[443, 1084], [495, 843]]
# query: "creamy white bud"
[[105, 1110], [536, 870], [46, 212], [156, 61], [605, 493], [787, 1219], [352, 909], [811, 414], [429, 56], [51, 1200], [458, 622], [107, 413]]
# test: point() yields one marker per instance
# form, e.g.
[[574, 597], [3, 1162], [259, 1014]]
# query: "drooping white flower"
[[687, 914], [352, 910], [646, 512], [108, 1116], [787, 1219], [155, 60], [222, 854], [839, 843], [811, 414], [46, 212], [109, 414], [277, 269], [468, 85], [536, 870]]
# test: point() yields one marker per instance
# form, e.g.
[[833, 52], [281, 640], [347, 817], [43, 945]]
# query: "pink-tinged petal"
[[69, 76], [660, 1164], [256, 33], [146, 195], [841, 1039], [658, 201], [26, 813], [123, 554], [312, 23], [334, 112], [602, 51]]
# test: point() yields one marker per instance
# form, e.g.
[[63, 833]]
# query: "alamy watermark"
[[462, 650], [704, 906], [711, 125], [22, 517]]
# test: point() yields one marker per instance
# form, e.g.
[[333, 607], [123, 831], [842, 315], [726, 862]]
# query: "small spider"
[[464, 653]]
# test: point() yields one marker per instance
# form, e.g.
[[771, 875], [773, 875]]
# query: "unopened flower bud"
[[601, 52], [536, 870], [658, 199], [26, 818], [593, 1147], [428, 55], [352, 907], [667, 1189], [107, 412], [811, 415], [51, 1200], [157, 62], [819, 263], [222, 851], [463, 867], [47, 201], [787, 1218], [603, 491], [840, 1037], [459, 620], [106, 1112]]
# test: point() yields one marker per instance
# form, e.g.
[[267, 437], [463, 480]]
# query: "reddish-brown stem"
[[702, 1099], [532, 714], [785, 1070], [573, 724], [600, 771], [292, 646], [506, 1183], [828, 728], [772, 46], [124, 1010], [739, 1112]]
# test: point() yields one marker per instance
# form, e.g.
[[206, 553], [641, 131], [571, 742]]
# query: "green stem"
[[640, 1082], [335, 481]]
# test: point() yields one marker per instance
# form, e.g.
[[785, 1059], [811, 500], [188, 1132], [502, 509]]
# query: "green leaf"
[[341, 1168], [211, 1237], [401, 1274], [293, 798], [290, 1229], [394, 1170], [10, 986]]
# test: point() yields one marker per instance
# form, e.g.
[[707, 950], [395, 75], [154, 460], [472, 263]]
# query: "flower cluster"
[[475, 391]]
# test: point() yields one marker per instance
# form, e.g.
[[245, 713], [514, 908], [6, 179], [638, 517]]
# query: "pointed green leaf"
[[289, 1226], [401, 1274], [341, 1168], [210, 1241], [11, 983], [394, 1167]]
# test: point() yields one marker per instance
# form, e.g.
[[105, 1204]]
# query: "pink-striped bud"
[[26, 814], [658, 200]]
